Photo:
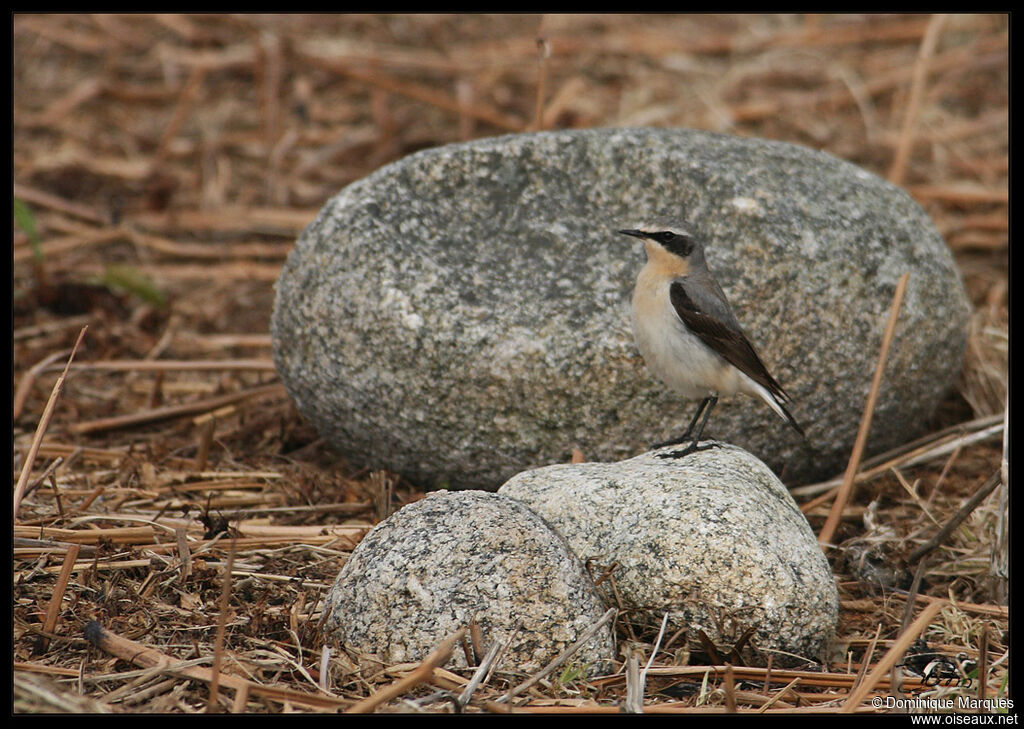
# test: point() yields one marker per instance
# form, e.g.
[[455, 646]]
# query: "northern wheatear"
[[689, 337]]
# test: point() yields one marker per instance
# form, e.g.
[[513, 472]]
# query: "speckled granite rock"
[[452, 557], [463, 313], [714, 537]]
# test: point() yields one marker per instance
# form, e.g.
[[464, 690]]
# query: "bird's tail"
[[777, 404], [792, 421]]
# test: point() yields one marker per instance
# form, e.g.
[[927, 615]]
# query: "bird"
[[689, 336]]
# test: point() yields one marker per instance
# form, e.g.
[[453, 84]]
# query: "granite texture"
[[463, 313], [713, 538], [459, 556]]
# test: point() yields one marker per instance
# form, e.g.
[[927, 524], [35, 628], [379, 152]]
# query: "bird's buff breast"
[[675, 355]]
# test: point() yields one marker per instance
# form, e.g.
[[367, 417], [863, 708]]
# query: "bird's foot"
[[692, 448], [684, 438]]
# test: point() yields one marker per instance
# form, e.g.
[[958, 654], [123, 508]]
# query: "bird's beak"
[[634, 233]]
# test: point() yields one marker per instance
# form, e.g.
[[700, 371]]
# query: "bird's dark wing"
[[702, 307]]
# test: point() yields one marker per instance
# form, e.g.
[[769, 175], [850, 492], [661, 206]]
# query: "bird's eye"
[[680, 244], [665, 237]]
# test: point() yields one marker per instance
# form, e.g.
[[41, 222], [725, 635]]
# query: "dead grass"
[[168, 163]]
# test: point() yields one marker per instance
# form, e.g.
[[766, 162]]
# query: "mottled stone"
[[463, 313], [455, 557], [714, 538]]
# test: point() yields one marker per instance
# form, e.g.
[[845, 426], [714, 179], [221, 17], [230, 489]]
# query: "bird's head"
[[666, 245]]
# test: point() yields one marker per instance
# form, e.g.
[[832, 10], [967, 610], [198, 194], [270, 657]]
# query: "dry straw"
[[215, 139]]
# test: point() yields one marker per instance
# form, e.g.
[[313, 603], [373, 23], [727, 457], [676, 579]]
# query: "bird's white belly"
[[675, 355]]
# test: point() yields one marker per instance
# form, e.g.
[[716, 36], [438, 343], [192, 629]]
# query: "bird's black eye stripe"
[[680, 244]]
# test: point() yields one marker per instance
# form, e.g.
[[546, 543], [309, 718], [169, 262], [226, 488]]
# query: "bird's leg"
[[709, 402], [689, 428]]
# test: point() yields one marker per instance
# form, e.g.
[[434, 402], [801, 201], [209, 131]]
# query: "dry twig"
[[44, 422], [147, 657], [891, 656], [562, 657], [957, 519], [846, 490], [898, 170], [423, 673]]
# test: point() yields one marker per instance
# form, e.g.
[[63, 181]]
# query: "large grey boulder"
[[463, 313], [714, 539], [459, 557]]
